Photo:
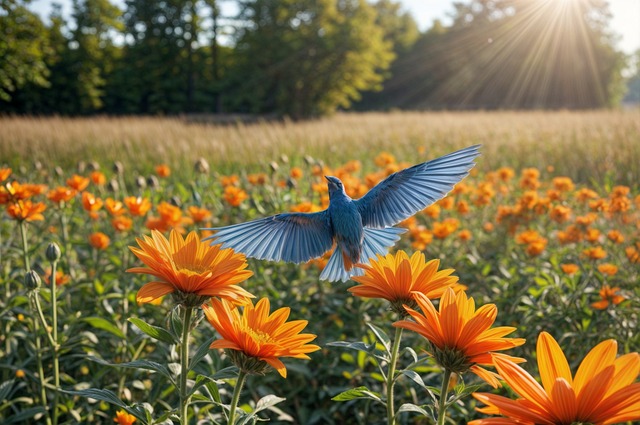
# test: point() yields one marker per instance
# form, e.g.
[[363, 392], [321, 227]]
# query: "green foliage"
[[23, 47]]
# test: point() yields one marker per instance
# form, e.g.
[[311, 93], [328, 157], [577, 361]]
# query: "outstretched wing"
[[408, 191], [293, 237]]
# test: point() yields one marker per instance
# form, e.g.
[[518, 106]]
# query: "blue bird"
[[360, 228]]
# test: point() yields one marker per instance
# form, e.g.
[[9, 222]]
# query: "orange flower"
[[113, 207], [137, 206], [609, 297], [464, 235], [124, 418], [231, 180], [61, 194], [432, 211], [583, 195], [527, 237], [443, 229], [234, 195], [462, 207], [595, 253], [61, 278], [91, 203], [506, 173], [615, 236], [592, 235], [306, 207], [121, 223], [98, 178], [190, 269], [257, 179], [296, 173], [569, 268], [421, 238], [198, 214], [602, 392], [536, 247], [608, 268], [77, 182], [560, 213], [26, 211], [99, 240], [4, 174], [14, 191], [258, 334], [383, 159], [633, 253], [587, 219], [563, 184], [529, 179], [398, 278], [460, 335], [163, 170]]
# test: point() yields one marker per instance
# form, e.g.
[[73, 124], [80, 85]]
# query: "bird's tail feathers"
[[376, 241], [335, 268]]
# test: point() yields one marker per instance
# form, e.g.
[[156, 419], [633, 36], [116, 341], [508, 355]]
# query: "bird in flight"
[[360, 228]]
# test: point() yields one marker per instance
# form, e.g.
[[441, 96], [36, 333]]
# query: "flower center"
[[260, 336]]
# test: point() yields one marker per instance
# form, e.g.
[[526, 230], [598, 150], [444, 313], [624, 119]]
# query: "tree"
[[305, 58], [23, 47]]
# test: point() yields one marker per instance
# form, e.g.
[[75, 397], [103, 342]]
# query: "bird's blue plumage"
[[360, 228]]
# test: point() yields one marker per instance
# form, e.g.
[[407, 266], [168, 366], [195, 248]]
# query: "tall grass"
[[587, 146]]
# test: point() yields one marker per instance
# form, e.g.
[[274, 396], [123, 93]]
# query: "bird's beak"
[[327, 178]]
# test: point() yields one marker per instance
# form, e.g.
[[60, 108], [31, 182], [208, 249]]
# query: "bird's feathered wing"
[[408, 191], [293, 237]]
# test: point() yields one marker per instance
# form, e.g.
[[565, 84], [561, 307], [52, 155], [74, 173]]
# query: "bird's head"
[[334, 184]]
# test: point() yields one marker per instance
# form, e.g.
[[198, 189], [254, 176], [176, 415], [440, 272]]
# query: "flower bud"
[[141, 183], [82, 166], [53, 252], [175, 201], [118, 168], [93, 166], [274, 166], [201, 166], [113, 185], [32, 280], [153, 182]]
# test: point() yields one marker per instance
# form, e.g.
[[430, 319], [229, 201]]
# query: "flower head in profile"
[[601, 392], [461, 336], [191, 270], [124, 418], [99, 240], [397, 278], [26, 210], [257, 338]]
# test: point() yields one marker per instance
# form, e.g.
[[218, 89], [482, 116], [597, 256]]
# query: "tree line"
[[304, 58]]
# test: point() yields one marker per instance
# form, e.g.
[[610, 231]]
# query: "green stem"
[[442, 405], [242, 377], [391, 420], [25, 246], [56, 347], [184, 360], [65, 243]]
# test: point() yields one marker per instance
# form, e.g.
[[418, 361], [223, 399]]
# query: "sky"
[[625, 21]]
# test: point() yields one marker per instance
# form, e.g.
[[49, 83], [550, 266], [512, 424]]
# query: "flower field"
[[516, 296]]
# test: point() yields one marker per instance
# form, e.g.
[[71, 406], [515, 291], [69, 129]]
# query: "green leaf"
[[202, 351], [381, 335], [408, 407], [262, 404], [109, 397], [354, 393], [138, 364], [175, 321], [201, 380], [230, 372], [24, 415], [154, 332], [100, 323]]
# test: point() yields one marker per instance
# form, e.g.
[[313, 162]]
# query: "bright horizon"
[[624, 20]]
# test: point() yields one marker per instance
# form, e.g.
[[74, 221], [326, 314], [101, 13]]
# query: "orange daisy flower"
[[26, 210], [4, 174], [190, 269], [99, 240], [198, 214], [234, 195], [77, 182], [61, 278], [163, 170], [137, 206], [61, 194], [595, 253], [397, 278], [90, 203], [124, 418], [258, 334], [121, 223], [602, 392], [460, 335], [113, 207], [609, 296], [98, 178], [569, 268]]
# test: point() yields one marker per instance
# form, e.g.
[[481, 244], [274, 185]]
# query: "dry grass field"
[[589, 146]]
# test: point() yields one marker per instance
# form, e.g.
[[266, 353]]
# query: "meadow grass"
[[597, 147]]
